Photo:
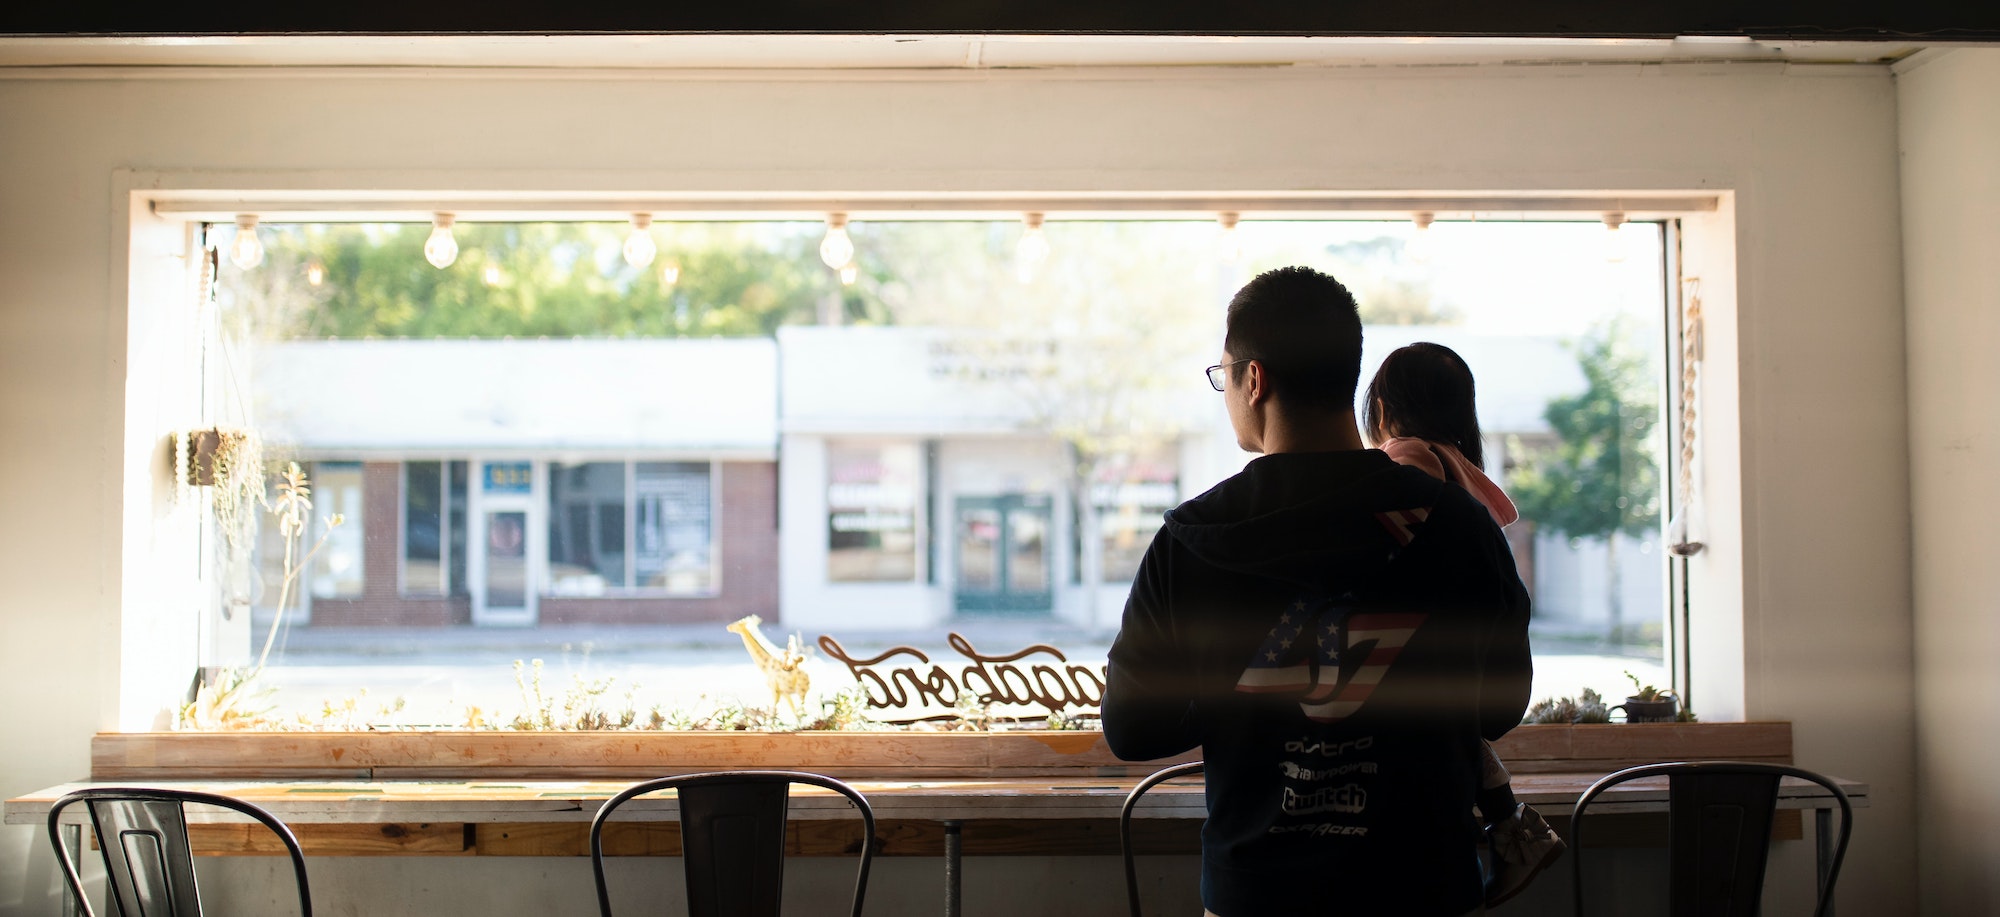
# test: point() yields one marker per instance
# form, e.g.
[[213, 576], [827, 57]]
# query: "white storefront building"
[[932, 492], [915, 484]]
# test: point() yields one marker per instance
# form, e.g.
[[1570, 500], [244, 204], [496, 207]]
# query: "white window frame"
[[1716, 581]]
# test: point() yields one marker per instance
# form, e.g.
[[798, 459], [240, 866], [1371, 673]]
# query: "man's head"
[[1294, 339]]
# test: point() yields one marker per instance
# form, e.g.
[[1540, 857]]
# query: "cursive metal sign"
[[1055, 684]]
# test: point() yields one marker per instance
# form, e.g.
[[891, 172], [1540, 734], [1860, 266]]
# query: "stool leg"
[[952, 853], [1823, 847], [72, 836]]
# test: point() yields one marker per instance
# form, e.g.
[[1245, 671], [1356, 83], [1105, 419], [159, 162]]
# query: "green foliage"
[[1602, 475], [230, 699], [537, 279], [1588, 707], [582, 706], [1646, 693], [845, 710], [1388, 287], [1074, 722]]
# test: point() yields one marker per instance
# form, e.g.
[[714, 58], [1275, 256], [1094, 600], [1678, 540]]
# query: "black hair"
[[1305, 329], [1425, 391]]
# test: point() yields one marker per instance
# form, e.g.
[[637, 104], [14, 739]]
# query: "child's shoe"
[[1523, 845]]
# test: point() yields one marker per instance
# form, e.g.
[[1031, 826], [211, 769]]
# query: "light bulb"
[[1229, 241], [1033, 249], [1614, 241], [315, 273], [670, 274], [1422, 245], [441, 249], [639, 246], [491, 274], [848, 274], [246, 251], [836, 249]]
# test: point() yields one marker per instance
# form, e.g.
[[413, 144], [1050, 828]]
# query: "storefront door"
[[1003, 559], [506, 539]]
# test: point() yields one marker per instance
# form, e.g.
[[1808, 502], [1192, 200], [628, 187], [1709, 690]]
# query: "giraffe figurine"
[[784, 670]]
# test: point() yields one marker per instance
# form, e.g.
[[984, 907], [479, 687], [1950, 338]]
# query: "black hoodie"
[[1336, 632]]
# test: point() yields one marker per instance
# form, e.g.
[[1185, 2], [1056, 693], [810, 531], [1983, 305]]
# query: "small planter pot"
[[201, 446], [1649, 711]]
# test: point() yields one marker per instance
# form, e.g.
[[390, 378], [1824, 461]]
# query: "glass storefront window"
[[674, 528], [587, 528], [998, 454], [871, 499], [1131, 497], [423, 528], [338, 572], [619, 526]]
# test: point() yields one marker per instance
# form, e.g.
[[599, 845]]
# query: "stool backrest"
[[1719, 816], [1190, 769], [148, 861], [733, 838]]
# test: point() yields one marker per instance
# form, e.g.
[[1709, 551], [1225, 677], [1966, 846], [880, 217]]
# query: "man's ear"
[[1256, 387]]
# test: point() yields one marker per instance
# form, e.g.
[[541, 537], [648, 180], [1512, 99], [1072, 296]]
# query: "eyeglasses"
[[1216, 376]]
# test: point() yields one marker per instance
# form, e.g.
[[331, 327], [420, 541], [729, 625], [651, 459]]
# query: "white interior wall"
[[1951, 191], [1812, 336]]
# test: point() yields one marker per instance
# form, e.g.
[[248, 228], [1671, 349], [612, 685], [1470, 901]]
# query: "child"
[[1419, 409]]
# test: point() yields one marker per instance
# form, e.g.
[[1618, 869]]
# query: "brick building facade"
[[746, 529]]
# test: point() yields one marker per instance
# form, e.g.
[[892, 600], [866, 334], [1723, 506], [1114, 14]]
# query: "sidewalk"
[[310, 645]]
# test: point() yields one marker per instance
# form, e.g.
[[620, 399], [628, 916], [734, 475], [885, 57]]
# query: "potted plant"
[[231, 461], [227, 698], [1648, 704], [1587, 707]]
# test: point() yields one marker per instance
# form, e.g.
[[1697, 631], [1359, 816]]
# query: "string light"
[[491, 275], [639, 245], [1033, 249], [246, 251], [670, 273], [837, 250], [315, 273], [848, 274], [441, 249], [1422, 245], [1614, 248], [1228, 242]]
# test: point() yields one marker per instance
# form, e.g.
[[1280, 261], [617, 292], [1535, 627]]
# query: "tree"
[[1101, 350], [535, 279], [1601, 478], [1389, 287]]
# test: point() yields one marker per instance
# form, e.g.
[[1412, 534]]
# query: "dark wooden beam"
[[1849, 20]]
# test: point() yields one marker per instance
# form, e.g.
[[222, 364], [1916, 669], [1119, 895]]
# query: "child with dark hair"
[[1420, 410]]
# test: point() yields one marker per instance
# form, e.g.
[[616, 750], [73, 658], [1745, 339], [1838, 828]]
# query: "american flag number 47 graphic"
[[1302, 656]]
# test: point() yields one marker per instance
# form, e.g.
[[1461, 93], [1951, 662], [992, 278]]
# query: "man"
[[1335, 631]]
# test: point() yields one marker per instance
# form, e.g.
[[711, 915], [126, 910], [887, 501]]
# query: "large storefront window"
[[674, 534], [433, 529], [631, 526], [871, 500], [339, 571], [426, 550], [1132, 497], [587, 528], [542, 438]]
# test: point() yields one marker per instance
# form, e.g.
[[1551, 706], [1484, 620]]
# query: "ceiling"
[[904, 52]]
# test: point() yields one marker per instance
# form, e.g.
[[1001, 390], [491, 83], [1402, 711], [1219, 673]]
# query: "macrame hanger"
[[1684, 538]]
